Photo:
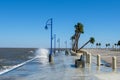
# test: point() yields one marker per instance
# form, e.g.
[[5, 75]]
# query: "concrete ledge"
[[76, 54], [79, 54], [73, 53]]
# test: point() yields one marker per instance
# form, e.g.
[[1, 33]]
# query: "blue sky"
[[22, 21]]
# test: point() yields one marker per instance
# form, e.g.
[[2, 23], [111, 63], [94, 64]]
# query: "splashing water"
[[42, 55]]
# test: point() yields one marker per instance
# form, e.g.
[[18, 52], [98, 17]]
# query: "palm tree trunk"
[[78, 36], [73, 44], [84, 45]]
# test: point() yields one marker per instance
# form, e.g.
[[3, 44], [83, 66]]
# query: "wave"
[[16, 66], [41, 55]]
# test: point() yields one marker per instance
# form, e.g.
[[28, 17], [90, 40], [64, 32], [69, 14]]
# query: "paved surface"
[[62, 69], [108, 76]]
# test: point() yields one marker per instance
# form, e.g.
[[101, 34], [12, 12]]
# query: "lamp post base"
[[51, 58]]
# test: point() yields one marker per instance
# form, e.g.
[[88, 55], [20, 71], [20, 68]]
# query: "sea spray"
[[42, 55]]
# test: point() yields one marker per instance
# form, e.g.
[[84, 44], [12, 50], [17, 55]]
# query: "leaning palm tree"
[[91, 40], [78, 31], [73, 41]]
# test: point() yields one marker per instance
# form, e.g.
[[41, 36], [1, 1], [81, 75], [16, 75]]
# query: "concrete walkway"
[[62, 69], [108, 76]]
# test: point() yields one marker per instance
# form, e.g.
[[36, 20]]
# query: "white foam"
[[42, 55]]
